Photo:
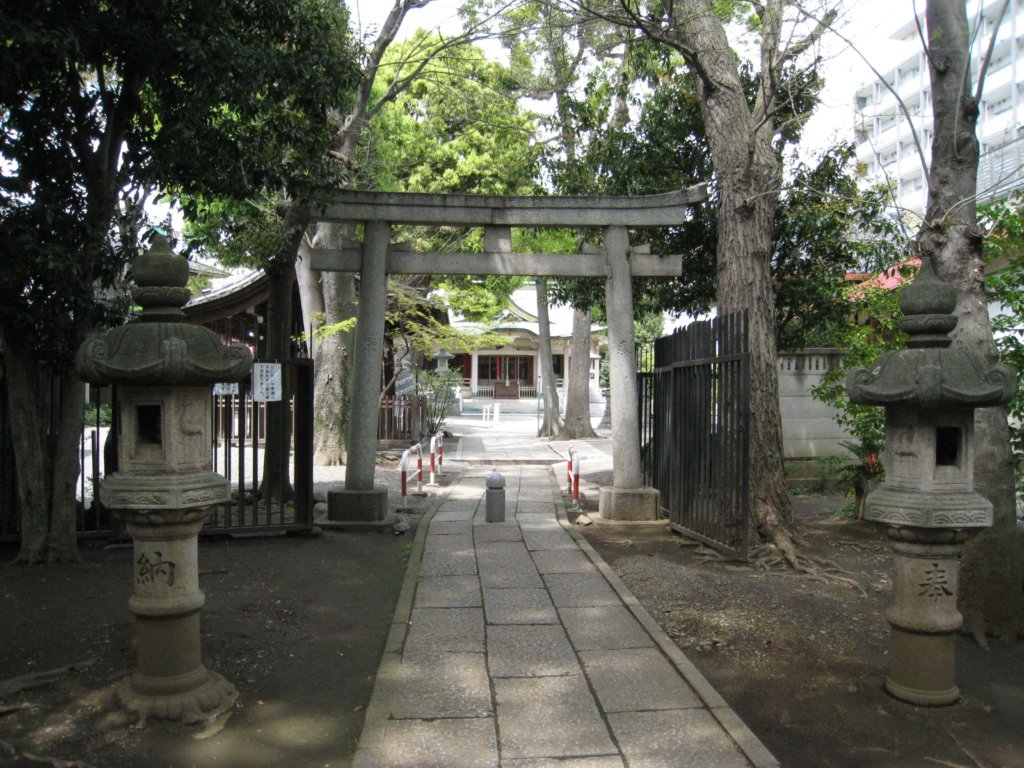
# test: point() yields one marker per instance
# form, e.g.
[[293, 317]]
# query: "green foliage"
[[825, 226], [455, 128], [874, 329], [419, 322], [89, 415], [440, 387], [1004, 253], [104, 100], [648, 328], [256, 118]]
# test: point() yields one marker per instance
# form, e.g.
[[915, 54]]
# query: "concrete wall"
[[808, 427]]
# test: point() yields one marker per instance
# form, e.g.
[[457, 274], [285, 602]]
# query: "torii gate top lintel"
[[666, 209]]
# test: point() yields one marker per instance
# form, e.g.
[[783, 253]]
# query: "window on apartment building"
[[999, 60], [910, 71], [887, 122], [887, 159], [1000, 105]]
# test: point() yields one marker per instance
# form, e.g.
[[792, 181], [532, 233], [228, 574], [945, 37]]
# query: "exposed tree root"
[[980, 637], [13, 752], [23, 682], [768, 556], [15, 708], [966, 751]]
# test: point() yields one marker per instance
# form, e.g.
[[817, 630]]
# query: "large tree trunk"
[[45, 454], [276, 480], [749, 172], [991, 597], [552, 423], [311, 295], [331, 372], [577, 424]]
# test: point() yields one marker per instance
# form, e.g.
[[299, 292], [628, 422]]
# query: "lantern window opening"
[[149, 424], [948, 447]]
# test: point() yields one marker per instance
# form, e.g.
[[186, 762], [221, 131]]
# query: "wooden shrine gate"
[[700, 431]]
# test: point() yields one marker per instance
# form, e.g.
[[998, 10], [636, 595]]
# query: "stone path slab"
[[531, 650], [549, 717], [452, 630], [515, 646]]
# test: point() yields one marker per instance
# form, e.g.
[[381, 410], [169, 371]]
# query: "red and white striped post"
[[403, 466], [435, 452], [573, 476]]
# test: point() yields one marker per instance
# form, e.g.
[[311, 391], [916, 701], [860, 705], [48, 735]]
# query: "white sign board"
[[226, 389], [266, 382]]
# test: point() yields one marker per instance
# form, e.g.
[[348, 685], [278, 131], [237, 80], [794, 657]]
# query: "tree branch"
[[987, 59]]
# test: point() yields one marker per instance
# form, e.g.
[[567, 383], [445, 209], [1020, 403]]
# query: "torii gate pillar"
[[361, 504], [626, 499]]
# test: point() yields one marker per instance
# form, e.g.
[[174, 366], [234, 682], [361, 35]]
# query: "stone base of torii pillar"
[[628, 504], [349, 509]]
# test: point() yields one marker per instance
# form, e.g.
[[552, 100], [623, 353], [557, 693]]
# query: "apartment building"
[[894, 141]]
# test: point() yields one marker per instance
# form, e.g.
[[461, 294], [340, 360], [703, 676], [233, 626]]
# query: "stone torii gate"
[[376, 257]]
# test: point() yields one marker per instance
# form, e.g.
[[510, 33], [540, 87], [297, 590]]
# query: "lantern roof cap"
[[159, 348], [932, 372]]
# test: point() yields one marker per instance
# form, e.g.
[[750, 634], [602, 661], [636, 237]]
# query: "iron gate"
[[257, 503], [699, 441]]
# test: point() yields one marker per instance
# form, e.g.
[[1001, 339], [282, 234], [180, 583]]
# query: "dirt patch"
[[297, 624], [802, 659]]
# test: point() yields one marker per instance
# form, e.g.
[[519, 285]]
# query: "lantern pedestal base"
[[170, 681], [922, 668], [923, 617], [199, 700]]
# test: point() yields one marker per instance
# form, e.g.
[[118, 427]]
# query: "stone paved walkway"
[[515, 645]]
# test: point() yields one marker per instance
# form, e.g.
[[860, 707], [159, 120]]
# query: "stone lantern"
[[928, 501], [442, 357], [165, 487]]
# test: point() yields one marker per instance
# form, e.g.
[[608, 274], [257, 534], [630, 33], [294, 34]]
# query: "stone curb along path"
[[514, 645]]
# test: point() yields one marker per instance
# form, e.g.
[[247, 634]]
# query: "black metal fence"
[[645, 392], [698, 436]]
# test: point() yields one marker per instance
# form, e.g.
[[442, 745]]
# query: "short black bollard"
[[495, 500]]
